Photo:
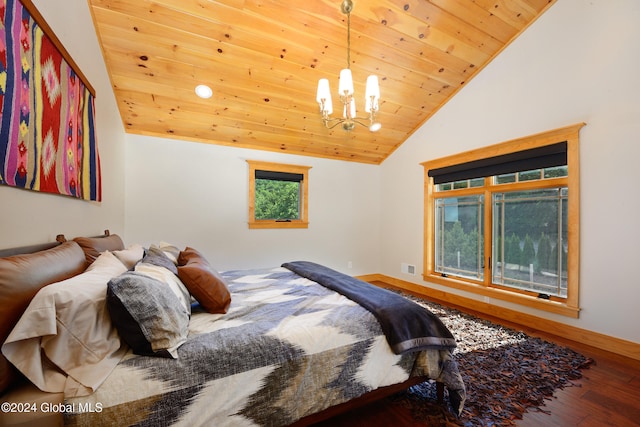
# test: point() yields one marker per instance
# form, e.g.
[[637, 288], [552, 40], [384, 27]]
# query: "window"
[[506, 225], [278, 195]]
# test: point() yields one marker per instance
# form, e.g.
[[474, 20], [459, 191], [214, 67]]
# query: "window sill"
[[278, 224], [525, 300]]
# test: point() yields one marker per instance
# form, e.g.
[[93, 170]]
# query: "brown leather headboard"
[[25, 270], [32, 248], [94, 246]]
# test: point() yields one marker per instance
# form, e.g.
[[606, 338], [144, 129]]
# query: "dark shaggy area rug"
[[506, 373]]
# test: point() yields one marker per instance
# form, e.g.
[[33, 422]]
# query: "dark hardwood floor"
[[608, 395]]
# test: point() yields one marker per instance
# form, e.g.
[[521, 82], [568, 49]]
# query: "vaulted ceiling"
[[263, 59]]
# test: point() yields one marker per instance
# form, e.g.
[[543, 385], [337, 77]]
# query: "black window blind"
[[536, 158], [279, 176]]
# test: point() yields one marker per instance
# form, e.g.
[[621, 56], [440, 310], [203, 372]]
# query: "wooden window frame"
[[303, 221], [568, 306]]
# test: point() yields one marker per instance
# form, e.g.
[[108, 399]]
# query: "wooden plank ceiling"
[[263, 59]]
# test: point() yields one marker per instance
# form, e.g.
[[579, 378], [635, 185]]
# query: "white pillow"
[[65, 341], [130, 256]]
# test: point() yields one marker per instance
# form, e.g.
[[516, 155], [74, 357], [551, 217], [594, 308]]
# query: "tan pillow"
[[130, 256], [94, 246], [21, 277], [203, 281]]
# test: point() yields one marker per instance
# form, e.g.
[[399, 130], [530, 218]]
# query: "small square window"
[[278, 195]]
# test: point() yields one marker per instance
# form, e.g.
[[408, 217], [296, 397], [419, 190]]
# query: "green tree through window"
[[279, 200]]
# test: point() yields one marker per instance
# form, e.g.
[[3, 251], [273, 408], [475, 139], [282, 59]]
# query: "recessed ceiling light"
[[204, 91]]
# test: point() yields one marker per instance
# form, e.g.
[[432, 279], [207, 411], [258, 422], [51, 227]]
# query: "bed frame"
[[32, 248], [326, 414], [60, 238], [367, 398]]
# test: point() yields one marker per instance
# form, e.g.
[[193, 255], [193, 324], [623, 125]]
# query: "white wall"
[[196, 194], [578, 63], [30, 217]]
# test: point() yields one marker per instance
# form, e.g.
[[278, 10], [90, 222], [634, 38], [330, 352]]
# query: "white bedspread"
[[287, 348]]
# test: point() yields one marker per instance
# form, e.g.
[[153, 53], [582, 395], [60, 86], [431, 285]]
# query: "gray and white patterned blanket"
[[287, 348]]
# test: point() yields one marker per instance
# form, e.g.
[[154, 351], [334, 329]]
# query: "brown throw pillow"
[[94, 246], [203, 281]]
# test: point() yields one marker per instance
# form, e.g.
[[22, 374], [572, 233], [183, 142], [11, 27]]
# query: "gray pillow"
[[157, 257], [148, 315]]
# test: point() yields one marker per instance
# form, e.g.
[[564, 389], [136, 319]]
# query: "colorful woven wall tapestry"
[[47, 110]]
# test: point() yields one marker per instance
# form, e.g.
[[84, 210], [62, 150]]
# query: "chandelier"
[[345, 90]]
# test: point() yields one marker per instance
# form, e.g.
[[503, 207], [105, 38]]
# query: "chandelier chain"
[[349, 40]]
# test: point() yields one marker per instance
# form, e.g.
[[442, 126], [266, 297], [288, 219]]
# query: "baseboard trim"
[[594, 339]]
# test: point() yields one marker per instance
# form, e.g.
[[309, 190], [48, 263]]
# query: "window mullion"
[[560, 241], [488, 233], [440, 261]]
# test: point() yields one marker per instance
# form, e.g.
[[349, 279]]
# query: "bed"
[[263, 347]]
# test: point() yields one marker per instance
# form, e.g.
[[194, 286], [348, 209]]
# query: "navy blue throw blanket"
[[406, 325]]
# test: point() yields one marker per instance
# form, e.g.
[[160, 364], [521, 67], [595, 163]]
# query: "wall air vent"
[[408, 269]]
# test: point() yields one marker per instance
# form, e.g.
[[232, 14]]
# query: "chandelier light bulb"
[[372, 94], [345, 87], [323, 96]]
